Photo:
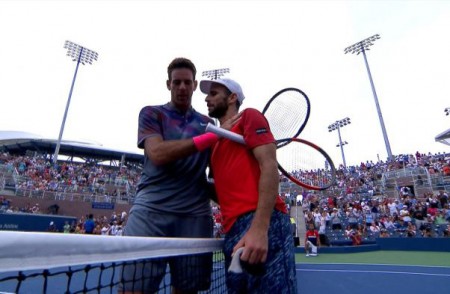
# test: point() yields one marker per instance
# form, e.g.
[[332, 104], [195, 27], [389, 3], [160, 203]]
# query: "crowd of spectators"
[[39, 175], [358, 220], [355, 207], [102, 225], [358, 210], [7, 207], [89, 224], [365, 178]]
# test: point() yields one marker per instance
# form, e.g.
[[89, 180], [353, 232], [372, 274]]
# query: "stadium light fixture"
[[215, 73], [342, 144], [81, 55], [337, 125], [361, 47]]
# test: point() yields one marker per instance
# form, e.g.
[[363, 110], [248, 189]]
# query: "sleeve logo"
[[261, 131]]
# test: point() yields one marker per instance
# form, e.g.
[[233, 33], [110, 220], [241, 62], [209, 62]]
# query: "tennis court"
[[380, 271], [375, 272], [73, 263], [312, 278], [102, 278]]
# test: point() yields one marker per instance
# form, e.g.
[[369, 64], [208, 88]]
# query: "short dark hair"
[[228, 93], [181, 62]]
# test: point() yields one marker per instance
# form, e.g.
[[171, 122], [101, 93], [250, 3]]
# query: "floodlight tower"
[[337, 125], [215, 73], [81, 55], [361, 47]]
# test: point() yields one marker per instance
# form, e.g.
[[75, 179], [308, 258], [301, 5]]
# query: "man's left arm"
[[255, 240]]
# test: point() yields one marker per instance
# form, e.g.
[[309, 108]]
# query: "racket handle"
[[225, 133]]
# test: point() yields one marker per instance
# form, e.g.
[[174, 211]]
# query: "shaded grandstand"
[[22, 143], [113, 190]]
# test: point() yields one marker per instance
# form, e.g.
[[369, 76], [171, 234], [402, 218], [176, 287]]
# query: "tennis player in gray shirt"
[[173, 195]]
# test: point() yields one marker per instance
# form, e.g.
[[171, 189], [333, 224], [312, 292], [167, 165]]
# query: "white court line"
[[377, 272], [375, 264]]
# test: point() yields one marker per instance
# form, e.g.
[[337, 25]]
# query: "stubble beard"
[[219, 111]]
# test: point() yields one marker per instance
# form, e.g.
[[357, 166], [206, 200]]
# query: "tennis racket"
[[301, 161], [305, 164], [287, 113]]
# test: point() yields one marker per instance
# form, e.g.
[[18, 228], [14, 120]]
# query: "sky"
[[267, 45]]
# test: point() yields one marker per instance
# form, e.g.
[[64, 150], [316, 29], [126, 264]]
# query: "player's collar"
[[171, 107]]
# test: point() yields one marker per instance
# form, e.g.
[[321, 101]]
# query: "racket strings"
[[285, 124], [305, 164], [316, 178], [287, 114]]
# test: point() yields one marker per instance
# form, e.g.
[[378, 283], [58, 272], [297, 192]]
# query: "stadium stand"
[[103, 181]]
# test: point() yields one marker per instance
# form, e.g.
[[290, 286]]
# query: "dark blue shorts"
[[190, 273], [279, 269]]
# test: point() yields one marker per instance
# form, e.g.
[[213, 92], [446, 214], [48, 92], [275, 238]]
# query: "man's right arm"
[[150, 139], [162, 152]]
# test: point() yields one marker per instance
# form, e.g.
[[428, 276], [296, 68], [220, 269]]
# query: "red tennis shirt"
[[236, 171]]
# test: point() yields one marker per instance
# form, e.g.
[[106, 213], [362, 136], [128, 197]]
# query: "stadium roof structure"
[[443, 137], [20, 143]]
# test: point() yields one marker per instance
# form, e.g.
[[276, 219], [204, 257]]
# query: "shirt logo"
[[261, 131]]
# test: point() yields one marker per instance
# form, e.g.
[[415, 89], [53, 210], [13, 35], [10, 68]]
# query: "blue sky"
[[268, 45]]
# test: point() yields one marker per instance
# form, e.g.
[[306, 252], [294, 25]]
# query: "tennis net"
[[71, 263]]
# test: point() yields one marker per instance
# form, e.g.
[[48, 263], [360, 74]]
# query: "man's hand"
[[229, 123], [255, 243]]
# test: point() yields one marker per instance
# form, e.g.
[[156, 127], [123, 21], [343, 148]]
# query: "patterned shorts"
[[279, 274]]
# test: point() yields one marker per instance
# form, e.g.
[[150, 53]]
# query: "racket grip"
[[225, 133]]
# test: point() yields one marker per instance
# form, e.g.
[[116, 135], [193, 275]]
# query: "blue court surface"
[[372, 279], [312, 278]]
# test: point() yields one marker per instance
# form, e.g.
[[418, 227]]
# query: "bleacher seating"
[[35, 177]]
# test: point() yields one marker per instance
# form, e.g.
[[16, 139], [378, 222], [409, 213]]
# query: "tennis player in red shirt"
[[246, 180]]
